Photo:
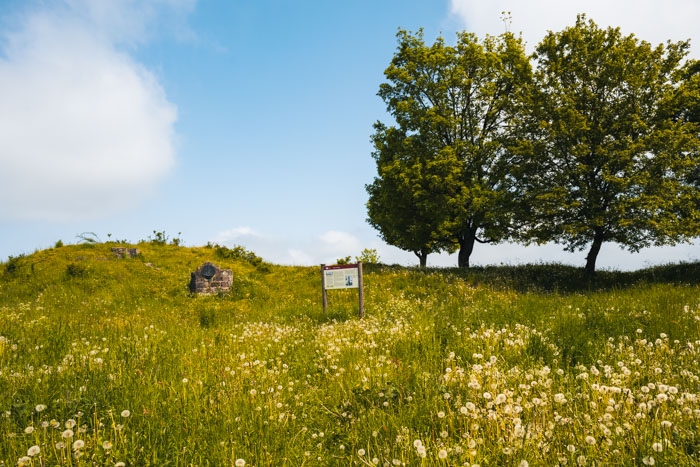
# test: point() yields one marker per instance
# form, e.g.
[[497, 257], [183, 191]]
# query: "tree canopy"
[[601, 143], [607, 155], [452, 107]]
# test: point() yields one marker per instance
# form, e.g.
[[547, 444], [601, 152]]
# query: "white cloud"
[[133, 21], [325, 248], [300, 258], [650, 20], [236, 234], [84, 128]]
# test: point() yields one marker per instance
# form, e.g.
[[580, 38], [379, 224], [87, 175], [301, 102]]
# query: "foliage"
[[59, 244], [160, 238], [607, 157], [402, 205], [240, 253], [88, 237], [442, 169], [489, 366], [76, 270], [368, 256], [345, 260], [13, 263]]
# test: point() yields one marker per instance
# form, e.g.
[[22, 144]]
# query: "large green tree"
[[607, 157], [453, 106], [403, 198]]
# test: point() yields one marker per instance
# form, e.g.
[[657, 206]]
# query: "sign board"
[[341, 276]]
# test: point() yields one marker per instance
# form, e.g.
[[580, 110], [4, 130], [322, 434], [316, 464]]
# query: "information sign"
[[342, 276]]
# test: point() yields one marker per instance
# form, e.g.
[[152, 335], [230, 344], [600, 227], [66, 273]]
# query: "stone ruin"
[[209, 279], [124, 252]]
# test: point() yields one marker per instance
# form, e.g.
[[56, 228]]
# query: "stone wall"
[[209, 279], [124, 252]]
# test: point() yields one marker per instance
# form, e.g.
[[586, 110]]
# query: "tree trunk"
[[422, 258], [593, 254], [466, 246]]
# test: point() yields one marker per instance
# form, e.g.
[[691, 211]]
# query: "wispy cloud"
[[84, 128]]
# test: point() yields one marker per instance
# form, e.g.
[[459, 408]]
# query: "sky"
[[240, 122]]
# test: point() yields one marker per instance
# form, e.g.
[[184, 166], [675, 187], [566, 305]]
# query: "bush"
[[368, 256], [161, 238], [76, 270], [13, 264], [240, 253]]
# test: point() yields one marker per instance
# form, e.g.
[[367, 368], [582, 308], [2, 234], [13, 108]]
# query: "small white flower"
[[658, 447], [33, 451], [40, 408], [126, 413], [29, 430], [67, 434], [240, 462], [78, 444], [442, 454], [360, 452]]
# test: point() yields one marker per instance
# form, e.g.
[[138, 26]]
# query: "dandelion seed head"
[[33, 451]]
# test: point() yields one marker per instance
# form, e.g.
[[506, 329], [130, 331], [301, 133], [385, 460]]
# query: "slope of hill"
[[106, 361]]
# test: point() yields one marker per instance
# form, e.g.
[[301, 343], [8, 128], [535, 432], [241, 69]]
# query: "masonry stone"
[[210, 279], [124, 252]]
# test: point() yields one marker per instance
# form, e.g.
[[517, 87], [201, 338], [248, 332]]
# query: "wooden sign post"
[[342, 276]]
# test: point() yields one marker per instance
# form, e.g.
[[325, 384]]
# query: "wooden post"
[[323, 288], [360, 288]]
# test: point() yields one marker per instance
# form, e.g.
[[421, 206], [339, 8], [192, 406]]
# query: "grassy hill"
[[106, 361]]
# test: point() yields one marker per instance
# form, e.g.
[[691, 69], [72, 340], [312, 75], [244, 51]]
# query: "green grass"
[[106, 360]]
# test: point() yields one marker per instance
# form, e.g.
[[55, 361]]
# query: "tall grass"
[[106, 361]]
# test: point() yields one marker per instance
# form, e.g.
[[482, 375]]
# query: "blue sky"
[[237, 122]]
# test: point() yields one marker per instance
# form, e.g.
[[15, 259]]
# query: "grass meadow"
[[111, 362]]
